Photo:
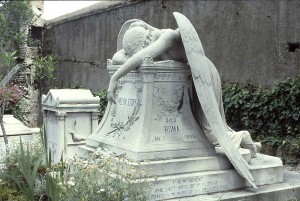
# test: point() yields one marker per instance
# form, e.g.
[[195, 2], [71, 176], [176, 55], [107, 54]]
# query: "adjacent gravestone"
[[15, 131], [70, 115]]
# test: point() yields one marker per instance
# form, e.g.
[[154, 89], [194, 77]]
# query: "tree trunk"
[[2, 125]]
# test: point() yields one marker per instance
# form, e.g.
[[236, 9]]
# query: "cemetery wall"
[[247, 40]]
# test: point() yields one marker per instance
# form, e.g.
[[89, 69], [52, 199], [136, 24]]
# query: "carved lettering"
[[132, 102], [159, 138], [159, 190], [188, 186], [127, 102], [190, 137], [122, 101], [171, 119], [171, 77], [155, 197], [172, 129]]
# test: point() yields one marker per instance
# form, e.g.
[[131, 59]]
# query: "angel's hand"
[[111, 90]]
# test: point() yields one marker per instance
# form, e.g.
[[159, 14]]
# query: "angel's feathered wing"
[[203, 85]]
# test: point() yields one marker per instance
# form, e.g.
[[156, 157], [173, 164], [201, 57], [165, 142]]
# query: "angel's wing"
[[203, 84]]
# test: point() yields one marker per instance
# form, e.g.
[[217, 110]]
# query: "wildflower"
[[101, 190], [71, 183]]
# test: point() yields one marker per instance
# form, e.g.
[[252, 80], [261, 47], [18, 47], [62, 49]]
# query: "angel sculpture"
[[184, 45]]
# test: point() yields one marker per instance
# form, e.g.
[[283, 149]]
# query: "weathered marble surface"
[[70, 115], [152, 118]]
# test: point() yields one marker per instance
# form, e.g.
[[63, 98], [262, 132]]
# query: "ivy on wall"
[[271, 116]]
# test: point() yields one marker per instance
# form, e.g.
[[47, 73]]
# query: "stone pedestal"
[[153, 120], [70, 116]]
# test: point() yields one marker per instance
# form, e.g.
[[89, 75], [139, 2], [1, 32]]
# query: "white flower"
[[71, 183], [101, 190]]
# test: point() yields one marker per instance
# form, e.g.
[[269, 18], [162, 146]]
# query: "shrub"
[[102, 177], [271, 116], [8, 193], [22, 164]]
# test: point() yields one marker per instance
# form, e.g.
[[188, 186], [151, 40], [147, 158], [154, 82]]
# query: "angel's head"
[[135, 39]]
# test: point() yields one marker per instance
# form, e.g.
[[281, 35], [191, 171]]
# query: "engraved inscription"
[[188, 186], [171, 77], [170, 119], [119, 126], [122, 101], [172, 129], [127, 102], [190, 137], [159, 138]]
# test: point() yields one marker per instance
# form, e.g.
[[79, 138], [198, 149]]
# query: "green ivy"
[[271, 116], [9, 193], [103, 101]]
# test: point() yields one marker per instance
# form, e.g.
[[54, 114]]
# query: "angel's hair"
[[135, 39]]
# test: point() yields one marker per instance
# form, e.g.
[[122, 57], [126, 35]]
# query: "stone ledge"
[[289, 189]]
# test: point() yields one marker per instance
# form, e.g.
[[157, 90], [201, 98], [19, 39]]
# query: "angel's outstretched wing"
[[203, 84]]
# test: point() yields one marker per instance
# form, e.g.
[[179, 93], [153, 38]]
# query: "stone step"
[[289, 189], [265, 170]]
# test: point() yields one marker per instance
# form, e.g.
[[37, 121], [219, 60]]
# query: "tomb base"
[[193, 176], [266, 170], [289, 189]]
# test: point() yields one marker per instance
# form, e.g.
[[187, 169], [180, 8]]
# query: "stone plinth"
[[152, 118], [70, 116]]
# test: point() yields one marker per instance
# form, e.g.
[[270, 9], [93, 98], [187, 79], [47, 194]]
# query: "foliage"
[[8, 59], [115, 180], [103, 101], [9, 193], [51, 189], [14, 15], [270, 115], [102, 177], [28, 171], [45, 69], [22, 166], [9, 95], [18, 110]]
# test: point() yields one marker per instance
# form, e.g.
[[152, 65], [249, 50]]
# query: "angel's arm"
[[161, 45]]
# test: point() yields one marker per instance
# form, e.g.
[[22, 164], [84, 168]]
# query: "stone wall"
[[247, 40]]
